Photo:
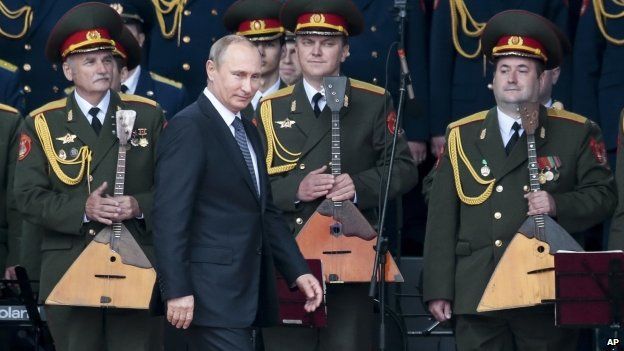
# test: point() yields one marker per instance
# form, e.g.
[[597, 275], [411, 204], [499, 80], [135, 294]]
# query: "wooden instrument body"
[[112, 271], [101, 277], [525, 274], [347, 259]]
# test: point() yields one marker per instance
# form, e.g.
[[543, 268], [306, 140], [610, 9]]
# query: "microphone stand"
[[378, 278]]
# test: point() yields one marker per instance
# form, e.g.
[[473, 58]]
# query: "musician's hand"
[[418, 150], [9, 273], [314, 185], [437, 145], [311, 287], [128, 208], [180, 311], [441, 310], [101, 208], [540, 202], [343, 189]]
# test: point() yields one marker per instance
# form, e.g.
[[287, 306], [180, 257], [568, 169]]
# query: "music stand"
[[589, 290]]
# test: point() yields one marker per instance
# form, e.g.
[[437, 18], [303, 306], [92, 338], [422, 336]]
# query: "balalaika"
[[112, 271], [337, 233]]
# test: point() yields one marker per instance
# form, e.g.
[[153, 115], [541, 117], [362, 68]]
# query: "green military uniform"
[[477, 200], [616, 235], [61, 159], [10, 223]]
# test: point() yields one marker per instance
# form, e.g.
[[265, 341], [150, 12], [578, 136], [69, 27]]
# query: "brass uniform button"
[[26, 67], [525, 188], [92, 231], [374, 54], [499, 188], [186, 66], [55, 89], [186, 39], [214, 12], [213, 39], [149, 93], [373, 29], [302, 166], [498, 243], [27, 89], [375, 80], [299, 221], [187, 12], [54, 66], [498, 215], [27, 47]]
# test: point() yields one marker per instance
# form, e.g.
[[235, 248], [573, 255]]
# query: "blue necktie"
[[241, 140]]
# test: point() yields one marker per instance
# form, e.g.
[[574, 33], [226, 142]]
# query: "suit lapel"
[[223, 133]]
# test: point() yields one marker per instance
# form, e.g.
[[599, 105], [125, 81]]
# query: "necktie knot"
[[516, 127], [237, 124], [95, 121], [315, 100]]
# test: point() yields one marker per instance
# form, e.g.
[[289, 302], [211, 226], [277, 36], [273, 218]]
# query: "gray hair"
[[220, 46]]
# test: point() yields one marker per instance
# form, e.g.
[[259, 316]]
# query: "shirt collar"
[[273, 88], [310, 91], [505, 123], [227, 115], [133, 81], [85, 106]]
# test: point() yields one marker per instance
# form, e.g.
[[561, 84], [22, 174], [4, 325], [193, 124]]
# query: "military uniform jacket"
[[616, 236], [171, 95], [464, 242], [180, 39], [40, 80], [296, 142], [9, 219], [598, 72], [59, 208]]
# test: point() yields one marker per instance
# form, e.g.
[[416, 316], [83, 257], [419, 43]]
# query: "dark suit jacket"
[[215, 239]]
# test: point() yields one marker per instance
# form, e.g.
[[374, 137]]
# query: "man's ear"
[[67, 71], [211, 69], [555, 74]]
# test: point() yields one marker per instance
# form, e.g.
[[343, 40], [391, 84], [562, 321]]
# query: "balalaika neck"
[[335, 149], [120, 177], [534, 180]]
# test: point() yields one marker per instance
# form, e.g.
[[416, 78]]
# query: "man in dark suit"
[[218, 235]]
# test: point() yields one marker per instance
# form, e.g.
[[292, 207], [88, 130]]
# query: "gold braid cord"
[[25, 11], [274, 146], [165, 7], [83, 159], [458, 7], [454, 148], [602, 16]]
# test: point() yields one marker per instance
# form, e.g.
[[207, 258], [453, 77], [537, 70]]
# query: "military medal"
[[134, 141], [142, 132], [73, 152], [62, 155], [549, 168], [542, 178], [549, 175], [485, 170]]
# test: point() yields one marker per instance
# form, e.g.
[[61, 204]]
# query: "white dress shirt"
[[505, 124], [228, 116], [85, 106], [273, 88], [133, 80], [310, 92]]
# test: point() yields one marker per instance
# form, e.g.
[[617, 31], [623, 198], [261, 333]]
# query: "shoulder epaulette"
[[566, 115], [168, 81], [8, 66], [479, 116], [8, 108], [69, 90], [280, 93], [358, 84], [137, 98], [54, 105]]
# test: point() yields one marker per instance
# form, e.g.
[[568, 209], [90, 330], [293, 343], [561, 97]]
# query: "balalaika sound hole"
[[336, 229]]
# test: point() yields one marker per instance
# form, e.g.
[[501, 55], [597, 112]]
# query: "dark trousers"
[[349, 325], [98, 329], [524, 329], [219, 339]]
